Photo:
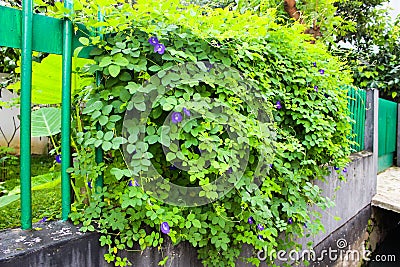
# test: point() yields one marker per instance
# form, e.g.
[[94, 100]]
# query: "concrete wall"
[[7, 118]]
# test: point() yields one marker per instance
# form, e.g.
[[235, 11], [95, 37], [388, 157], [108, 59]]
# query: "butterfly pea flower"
[[290, 221], [159, 48], [229, 171], [260, 237], [186, 112], [173, 167], [271, 165], [43, 220], [336, 168], [89, 184], [305, 225], [250, 220], [260, 227], [153, 41], [316, 88], [176, 117], [278, 105], [133, 183], [321, 71], [314, 64], [58, 158], [344, 170], [165, 228]]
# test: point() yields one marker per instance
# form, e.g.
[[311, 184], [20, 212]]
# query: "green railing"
[[52, 36], [387, 129], [357, 107]]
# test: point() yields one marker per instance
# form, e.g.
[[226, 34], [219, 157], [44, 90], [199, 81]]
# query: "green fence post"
[[25, 139], [66, 115], [99, 151]]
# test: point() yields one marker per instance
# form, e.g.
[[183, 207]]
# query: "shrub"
[[293, 90]]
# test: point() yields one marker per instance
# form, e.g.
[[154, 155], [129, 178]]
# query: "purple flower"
[[43, 220], [153, 41], [344, 170], [316, 88], [58, 158], [159, 48], [260, 237], [305, 225], [197, 150], [278, 105], [321, 71], [271, 165], [250, 220], [172, 168], [131, 183], [209, 66], [176, 117], [186, 111], [290, 221], [165, 228], [336, 168], [89, 184], [326, 95], [229, 171], [260, 227], [314, 64]]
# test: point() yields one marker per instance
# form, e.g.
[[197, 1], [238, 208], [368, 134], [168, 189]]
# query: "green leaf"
[[5, 200], [84, 41], [140, 106], [114, 70], [46, 122], [170, 156], [47, 80]]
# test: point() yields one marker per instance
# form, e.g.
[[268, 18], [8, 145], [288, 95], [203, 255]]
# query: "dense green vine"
[[300, 87]]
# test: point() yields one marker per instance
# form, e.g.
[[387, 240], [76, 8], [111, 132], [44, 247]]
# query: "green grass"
[[45, 203]]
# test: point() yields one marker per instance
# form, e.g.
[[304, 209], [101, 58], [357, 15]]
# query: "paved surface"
[[388, 190]]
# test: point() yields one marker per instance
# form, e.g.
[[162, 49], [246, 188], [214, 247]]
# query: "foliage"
[[46, 89], [298, 82], [374, 57], [46, 202]]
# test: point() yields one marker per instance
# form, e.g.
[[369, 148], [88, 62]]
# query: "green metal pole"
[[26, 85], [99, 151], [66, 116]]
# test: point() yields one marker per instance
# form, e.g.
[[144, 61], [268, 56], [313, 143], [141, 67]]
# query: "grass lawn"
[[45, 202]]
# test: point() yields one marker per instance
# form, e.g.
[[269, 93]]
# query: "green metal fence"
[[30, 32], [357, 107], [387, 129]]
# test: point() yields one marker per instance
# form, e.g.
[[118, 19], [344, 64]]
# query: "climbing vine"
[[194, 118]]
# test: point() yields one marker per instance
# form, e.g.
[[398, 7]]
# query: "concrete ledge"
[[61, 244], [387, 196]]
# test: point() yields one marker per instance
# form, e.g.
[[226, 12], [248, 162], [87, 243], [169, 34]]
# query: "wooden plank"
[[47, 32]]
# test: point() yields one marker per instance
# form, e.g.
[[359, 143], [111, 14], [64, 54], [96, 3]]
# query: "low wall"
[[61, 244]]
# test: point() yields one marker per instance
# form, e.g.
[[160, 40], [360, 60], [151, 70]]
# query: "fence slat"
[[66, 116], [42, 41], [357, 108], [99, 151], [25, 139]]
